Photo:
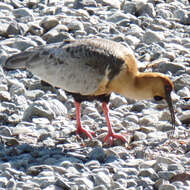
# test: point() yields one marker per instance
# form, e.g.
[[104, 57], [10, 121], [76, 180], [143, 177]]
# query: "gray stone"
[[150, 37], [84, 181], [5, 96], [23, 28], [3, 182], [4, 166], [176, 167], [148, 120], [167, 187], [160, 182], [149, 172], [119, 175], [146, 10], [132, 118], [3, 27], [172, 67], [5, 131], [117, 100], [138, 136], [148, 129], [81, 4], [58, 107], [131, 183], [5, 6], [185, 117], [23, 12], [97, 154], [93, 164], [132, 40], [19, 43], [27, 186], [54, 36], [55, 187], [181, 81], [138, 107], [14, 29], [16, 87], [118, 185], [11, 185], [23, 44], [167, 175], [184, 92], [100, 187], [34, 94], [35, 29], [62, 183], [117, 17], [181, 15], [44, 179], [157, 135], [16, 3], [61, 95], [131, 171], [112, 4], [48, 23], [129, 7], [102, 178], [38, 40], [3, 57], [9, 141], [40, 108], [82, 13], [160, 167], [75, 25]]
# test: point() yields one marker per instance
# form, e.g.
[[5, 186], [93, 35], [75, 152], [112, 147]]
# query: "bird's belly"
[[76, 80]]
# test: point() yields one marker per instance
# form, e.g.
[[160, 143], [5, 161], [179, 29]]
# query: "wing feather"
[[77, 66]]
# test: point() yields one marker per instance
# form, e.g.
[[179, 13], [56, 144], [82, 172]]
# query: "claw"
[[112, 136], [81, 130]]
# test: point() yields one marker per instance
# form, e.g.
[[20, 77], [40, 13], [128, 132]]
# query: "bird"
[[92, 69]]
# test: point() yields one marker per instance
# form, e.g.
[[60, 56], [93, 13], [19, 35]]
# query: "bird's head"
[[162, 87], [156, 86]]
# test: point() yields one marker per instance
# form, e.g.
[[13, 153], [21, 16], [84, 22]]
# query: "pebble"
[[185, 117], [150, 37], [139, 136], [5, 6], [39, 148], [167, 187], [48, 23], [97, 154], [35, 29], [23, 12]]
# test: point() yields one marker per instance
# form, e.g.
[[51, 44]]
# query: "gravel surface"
[[38, 145]]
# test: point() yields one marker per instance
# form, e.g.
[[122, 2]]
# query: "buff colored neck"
[[138, 86]]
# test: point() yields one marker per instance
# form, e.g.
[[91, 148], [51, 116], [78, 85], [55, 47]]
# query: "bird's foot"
[[81, 130], [111, 136]]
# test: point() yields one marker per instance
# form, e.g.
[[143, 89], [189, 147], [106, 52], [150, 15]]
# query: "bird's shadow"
[[24, 156]]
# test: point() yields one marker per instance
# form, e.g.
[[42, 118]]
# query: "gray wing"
[[77, 67]]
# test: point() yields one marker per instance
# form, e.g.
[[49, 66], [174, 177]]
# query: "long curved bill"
[[170, 105]]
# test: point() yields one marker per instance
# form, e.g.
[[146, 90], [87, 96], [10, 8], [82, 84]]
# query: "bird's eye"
[[158, 98]]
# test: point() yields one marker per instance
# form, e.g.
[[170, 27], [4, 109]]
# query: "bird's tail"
[[17, 61]]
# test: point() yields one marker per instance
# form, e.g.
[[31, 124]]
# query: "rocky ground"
[[38, 145]]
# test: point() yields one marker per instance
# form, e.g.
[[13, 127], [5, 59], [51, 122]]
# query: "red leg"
[[111, 134], [80, 129]]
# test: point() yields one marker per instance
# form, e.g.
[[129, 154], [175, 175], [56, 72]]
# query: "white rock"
[[5, 6]]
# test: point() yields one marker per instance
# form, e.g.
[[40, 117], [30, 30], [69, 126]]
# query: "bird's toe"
[[81, 130], [111, 137]]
